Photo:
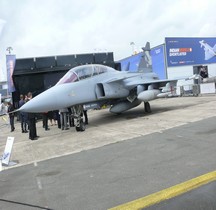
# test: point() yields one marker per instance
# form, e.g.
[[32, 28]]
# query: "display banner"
[[7, 151], [190, 51], [10, 62], [131, 63], [158, 61]]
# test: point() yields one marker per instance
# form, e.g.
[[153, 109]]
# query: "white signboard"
[[207, 88], [7, 151]]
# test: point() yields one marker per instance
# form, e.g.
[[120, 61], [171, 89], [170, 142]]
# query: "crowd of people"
[[62, 118]]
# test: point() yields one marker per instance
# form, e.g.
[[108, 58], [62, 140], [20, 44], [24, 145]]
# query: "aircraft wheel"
[[147, 107], [82, 126]]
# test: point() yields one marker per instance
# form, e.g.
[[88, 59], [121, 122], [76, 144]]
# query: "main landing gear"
[[80, 125], [147, 107]]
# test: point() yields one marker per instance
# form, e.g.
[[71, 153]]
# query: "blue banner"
[[10, 62], [131, 63], [158, 61], [190, 51]]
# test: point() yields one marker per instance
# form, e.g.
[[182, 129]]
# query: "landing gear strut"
[[147, 107], [77, 112]]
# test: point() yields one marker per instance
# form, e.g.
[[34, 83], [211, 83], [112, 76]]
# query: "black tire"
[[82, 126], [77, 129], [147, 107]]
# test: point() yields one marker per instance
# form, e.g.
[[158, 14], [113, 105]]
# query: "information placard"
[[7, 151]]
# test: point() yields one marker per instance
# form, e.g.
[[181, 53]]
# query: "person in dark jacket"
[[45, 121], [23, 115], [203, 72], [32, 122], [11, 115]]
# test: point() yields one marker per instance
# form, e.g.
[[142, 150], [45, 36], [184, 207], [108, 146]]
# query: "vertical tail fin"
[[145, 64]]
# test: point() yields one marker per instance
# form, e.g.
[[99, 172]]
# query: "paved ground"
[[202, 198], [151, 152], [105, 128]]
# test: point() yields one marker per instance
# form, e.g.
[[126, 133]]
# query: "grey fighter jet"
[[96, 85], [209, 51]]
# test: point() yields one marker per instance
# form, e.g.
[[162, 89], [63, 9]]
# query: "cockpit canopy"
[[82, 72]]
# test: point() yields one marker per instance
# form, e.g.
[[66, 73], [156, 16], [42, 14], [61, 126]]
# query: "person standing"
[[51, 118], [3, 108], [32, 122], [23, 115], [64, 118], [45, 121], [56, 116], [203, 72], [11, 115]]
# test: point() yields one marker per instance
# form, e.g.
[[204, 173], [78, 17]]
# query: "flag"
[[10, 62]]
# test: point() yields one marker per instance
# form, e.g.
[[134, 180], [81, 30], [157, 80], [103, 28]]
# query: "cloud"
[[53, 27], [2, 23]]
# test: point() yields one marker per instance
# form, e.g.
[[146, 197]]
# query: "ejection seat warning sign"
[[7, 151]]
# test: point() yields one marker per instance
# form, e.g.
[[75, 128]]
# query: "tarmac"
[[104, 128]]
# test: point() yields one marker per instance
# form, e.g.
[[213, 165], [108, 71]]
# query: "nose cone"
[[54, 98]]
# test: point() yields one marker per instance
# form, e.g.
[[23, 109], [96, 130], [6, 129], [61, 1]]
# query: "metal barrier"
[[190, 90], [197, 89]]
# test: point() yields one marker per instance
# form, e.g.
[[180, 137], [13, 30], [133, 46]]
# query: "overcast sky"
[[35, 28]]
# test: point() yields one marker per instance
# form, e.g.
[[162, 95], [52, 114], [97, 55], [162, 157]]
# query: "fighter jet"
[[96, 85], [209, 51]]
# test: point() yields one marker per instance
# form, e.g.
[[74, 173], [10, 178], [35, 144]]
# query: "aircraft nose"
[[51, 99]]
